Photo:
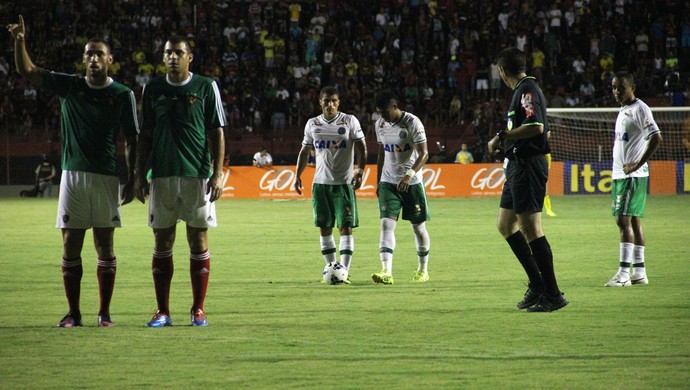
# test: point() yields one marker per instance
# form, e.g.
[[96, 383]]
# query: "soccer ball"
[[335, 273]]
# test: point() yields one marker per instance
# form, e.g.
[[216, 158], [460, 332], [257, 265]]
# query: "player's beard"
[[96, 71]]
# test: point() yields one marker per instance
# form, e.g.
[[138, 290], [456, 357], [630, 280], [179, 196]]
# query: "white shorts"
[[88, 200], [180, 198], [482, 84]]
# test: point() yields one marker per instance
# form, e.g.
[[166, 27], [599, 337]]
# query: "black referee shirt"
[[528, 107]]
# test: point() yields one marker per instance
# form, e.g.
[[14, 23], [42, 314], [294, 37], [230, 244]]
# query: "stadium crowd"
[[271, 58]]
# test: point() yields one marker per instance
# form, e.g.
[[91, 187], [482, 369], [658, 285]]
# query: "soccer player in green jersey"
[[334, 136], [402, 153], [182, 135], [636, 138], [94, 110]]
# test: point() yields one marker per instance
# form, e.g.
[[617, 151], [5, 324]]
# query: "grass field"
[[273, 325]]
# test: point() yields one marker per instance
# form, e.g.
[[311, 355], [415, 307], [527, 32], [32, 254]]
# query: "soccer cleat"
[[420, 277], [104, 321], [618, 281], [531, 298], [70, 321], [548, 304], [639, 279], [382, 277], [159, 320], [198, 318]]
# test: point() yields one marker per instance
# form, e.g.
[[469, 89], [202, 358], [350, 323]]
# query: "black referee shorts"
[[525, 185]]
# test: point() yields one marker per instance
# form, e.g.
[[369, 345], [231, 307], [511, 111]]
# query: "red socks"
[[162, 269], [71, 278], [105, 271], [199, 268]]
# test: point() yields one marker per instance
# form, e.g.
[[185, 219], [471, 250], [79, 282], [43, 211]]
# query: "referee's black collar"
[[523, 79]]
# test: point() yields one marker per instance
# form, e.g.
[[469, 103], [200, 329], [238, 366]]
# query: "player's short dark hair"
[[329, 91], [385, 98], [101, 41], [512, 60], [624, 74], [177, 39]]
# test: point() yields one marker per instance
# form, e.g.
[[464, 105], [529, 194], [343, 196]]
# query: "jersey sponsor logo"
[[527, 102], [620, 136], [395, 148], [327, 144]]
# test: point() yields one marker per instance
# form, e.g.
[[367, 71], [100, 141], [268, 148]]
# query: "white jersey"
[[634, 126], [333, 145], [398, 140], [262, 160]]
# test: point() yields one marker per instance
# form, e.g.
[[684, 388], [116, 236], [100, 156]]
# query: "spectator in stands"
[[464, 156], [455, 110], [411, 27], [262, 158]]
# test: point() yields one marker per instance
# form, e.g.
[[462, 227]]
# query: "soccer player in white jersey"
[[402, 153], [337, 139], [182, 133], [94, 108], [637, 137]]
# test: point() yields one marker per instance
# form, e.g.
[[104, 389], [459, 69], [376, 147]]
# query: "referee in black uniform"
[[519, 218]]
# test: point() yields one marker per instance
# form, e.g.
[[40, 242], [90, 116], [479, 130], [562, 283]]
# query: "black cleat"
[[548, 303], [530, 299], [70, 320]]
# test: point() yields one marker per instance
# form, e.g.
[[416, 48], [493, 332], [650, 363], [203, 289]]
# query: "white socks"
[[328, 249], [421, 239], [625, 258], [638, 261], [347, 247], [387, 244]]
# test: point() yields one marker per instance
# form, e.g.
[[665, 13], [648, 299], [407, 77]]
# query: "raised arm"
[[22, 61]]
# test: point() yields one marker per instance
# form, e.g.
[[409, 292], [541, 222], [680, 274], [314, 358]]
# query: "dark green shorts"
[[413, 203], [334, 204]]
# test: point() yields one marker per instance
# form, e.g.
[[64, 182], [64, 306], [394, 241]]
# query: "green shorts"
[[334, 203], [413, 202], [629, 196]]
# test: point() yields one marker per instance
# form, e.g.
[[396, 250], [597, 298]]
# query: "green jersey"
[[178, 116], [92, 117]]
